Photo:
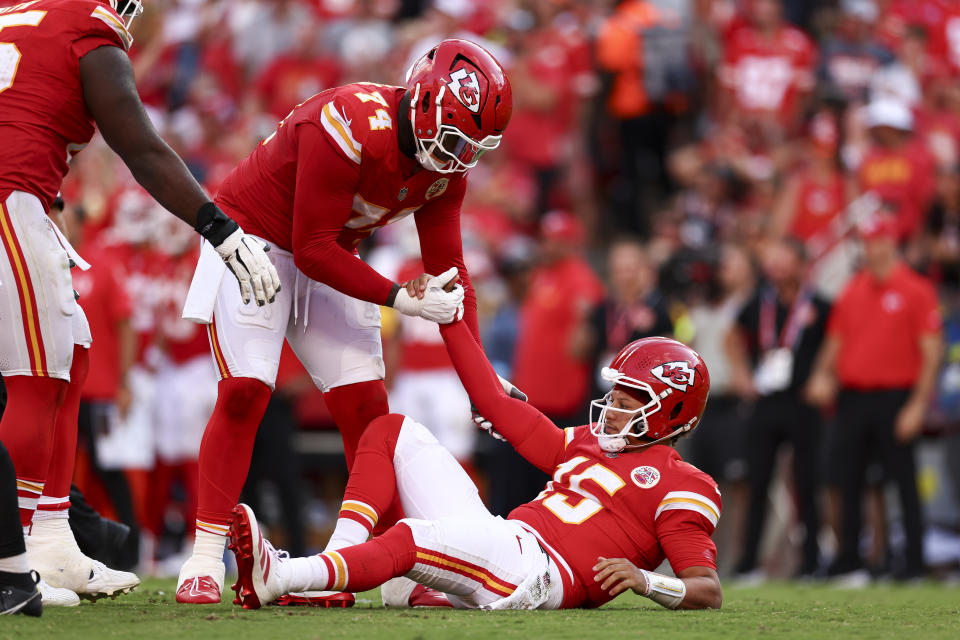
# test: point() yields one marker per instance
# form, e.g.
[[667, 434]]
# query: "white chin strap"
[[612, 444]]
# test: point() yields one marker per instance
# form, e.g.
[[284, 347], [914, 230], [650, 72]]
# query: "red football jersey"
[[333, 173], [765, 75], [817, 205], [43, 117], [643, 506], [904, 180]]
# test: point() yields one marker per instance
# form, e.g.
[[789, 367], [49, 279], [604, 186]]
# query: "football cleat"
[[199, 590], [403, 592], [54, 553], [107, 583], [17, 599], [327, 599], [259, 566], [56, 597], [200, 581]]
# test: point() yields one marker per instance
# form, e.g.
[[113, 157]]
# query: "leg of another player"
[[225, 453], [353, 407], [27, 431], [399, 458], [52, 547], [18, 589]]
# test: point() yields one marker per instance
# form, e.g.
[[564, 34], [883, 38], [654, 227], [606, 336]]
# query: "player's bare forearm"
[[700, 585], [111, 96], [703, 588]]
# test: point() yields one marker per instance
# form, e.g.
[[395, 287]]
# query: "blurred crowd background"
[[673, 167]]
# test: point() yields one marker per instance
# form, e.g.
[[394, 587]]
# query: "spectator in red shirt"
[[815, 194], [767, 71], [883, 352], [897, 166], [548, 365], [563, 289]]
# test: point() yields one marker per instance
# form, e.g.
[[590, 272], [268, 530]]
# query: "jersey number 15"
[[560, 504]]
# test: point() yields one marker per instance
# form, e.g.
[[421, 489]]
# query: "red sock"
[[353, 406], [370, 564], [56, 491], [188, 475], [372, 485], [226, 449], [27, 431]]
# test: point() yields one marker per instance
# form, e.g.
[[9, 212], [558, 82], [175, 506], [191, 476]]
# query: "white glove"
[[246, 257], [485, 424], [436, 305]]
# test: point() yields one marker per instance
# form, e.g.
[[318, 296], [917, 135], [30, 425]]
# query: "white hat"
[[889, 112], [866, 10]]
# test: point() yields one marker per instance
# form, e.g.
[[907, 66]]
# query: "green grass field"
[[777, 610]]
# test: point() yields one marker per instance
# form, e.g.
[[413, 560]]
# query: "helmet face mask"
[[460, 104], [127, 10], [636, 423]]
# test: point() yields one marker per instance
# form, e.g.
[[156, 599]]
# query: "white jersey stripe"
[[690, 506], [103, 15], [338, 128], [693, 496]]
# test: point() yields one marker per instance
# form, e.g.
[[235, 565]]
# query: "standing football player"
[[63, 69], [342, 164], [620, 502]]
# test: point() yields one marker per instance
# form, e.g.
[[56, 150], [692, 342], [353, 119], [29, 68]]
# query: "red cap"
[[879, 225], [562, 226]]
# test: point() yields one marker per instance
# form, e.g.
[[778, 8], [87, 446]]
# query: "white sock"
[[15, 564], [209, 545], [347, 533], [306, 574], [52, 513]]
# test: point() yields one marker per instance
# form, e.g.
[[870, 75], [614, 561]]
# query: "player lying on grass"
[[621, 500]]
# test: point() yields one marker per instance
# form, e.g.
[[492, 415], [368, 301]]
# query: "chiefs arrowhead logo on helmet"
[[678, 375], [465, 86]]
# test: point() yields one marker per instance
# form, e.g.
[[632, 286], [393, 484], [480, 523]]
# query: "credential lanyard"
[[792, 327]]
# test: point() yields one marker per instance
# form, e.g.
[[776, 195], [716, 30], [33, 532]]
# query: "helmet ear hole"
[[425, 103], [677, 408]]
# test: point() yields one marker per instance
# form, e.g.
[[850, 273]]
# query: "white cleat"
[[396, 592], [54, 554], [56, 597], [260, 567], [105, 582]]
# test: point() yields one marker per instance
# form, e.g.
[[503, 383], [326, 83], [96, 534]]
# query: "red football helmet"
[[668, 376], [460, 104]]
